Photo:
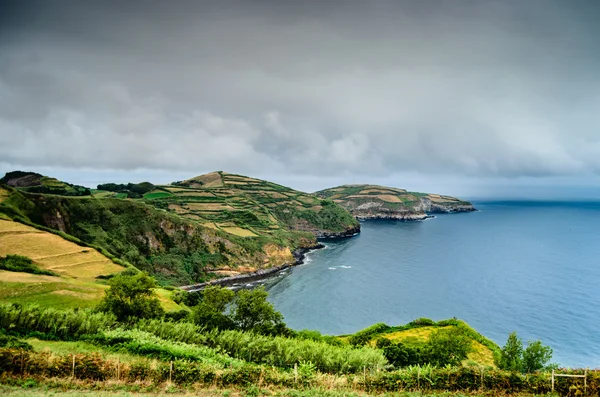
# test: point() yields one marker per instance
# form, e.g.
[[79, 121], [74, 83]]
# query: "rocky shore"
[[299, 256]]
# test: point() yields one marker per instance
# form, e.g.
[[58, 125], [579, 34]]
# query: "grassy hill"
[[416, 333], [251, 207], [37, 183], [209, 226], [380, 202]]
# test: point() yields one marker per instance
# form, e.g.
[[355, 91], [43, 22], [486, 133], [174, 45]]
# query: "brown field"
[[377, 191], [209, 180], [208, 206], [233, 182], [388, 198], [177, 208], [52, 252], [439, 199]]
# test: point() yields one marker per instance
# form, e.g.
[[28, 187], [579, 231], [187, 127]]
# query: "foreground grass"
[[57, 388]]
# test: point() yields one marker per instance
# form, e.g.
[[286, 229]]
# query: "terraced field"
[[54, 253], [249, 207], [78, 268]]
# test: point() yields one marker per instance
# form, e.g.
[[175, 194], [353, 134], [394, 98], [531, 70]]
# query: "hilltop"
[[250, 207], [213, 225], [380, 202]]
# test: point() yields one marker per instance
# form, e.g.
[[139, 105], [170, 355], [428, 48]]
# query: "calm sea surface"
[[529, 267]]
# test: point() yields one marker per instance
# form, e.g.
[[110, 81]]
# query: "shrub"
[[17, 263], [130, 297]]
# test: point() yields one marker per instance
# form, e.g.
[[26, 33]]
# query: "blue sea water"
[[530, 267]]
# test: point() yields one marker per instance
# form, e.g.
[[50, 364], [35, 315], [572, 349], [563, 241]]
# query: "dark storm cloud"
[[482, 89]]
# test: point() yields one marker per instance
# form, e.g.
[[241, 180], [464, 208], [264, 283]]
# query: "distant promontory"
[[380, 202]]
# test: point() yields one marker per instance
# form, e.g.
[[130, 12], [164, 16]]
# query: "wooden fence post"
[[73, 368], [118, 368], [171, 372], [552, 380], [419, 378], [482, 369], [585, 383], [295, 372]]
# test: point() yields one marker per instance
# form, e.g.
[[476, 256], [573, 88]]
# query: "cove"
[[530, 267]]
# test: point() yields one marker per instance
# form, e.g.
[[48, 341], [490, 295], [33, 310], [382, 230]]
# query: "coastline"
[[299, 256]]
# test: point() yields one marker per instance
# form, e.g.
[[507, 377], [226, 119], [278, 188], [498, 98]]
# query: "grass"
[[77, 267], [79, 347], [157, 194], [48, 291], [51, 252], [415, 336], [176, 232], [238, 231]]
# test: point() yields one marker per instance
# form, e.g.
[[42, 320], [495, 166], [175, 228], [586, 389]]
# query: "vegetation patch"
[[17, 263]]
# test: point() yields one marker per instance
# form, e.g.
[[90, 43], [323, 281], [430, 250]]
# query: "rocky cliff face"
[[378, 202]]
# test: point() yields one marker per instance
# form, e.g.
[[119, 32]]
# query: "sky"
[[473, 98]]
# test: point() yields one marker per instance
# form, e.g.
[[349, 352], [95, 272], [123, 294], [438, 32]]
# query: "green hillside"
[[246, 206], [214, 225], [380, 202]]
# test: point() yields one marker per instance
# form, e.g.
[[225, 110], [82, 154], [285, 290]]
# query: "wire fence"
[[20, 363]]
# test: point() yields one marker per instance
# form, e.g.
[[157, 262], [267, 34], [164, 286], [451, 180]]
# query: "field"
[[54, 253], [249, 207], [78, 268]]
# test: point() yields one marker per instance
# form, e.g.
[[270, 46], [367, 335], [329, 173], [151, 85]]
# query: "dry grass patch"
[[480, 354], [209, 180], [421, 334], [177, 208], [375, 191], [195, 193], [388, 198], [208, 206], [3, 194], [279, 255], [52, 252], [18, 277]]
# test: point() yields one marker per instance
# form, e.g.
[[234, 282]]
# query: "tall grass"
[[285, 352], [146, 344], [53, 323]]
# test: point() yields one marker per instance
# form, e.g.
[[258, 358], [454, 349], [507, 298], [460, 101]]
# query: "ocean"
[[529, 267]]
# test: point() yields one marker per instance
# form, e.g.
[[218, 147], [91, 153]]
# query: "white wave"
[[346, 267], [332, 268]]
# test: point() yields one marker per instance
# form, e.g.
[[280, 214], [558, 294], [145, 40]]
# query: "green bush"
[[17, 263], [131, 297]]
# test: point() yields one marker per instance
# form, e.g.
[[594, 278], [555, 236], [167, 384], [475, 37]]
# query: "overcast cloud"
[[449, 95]]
